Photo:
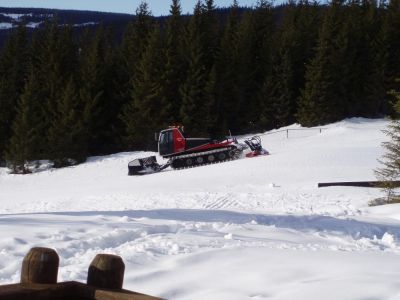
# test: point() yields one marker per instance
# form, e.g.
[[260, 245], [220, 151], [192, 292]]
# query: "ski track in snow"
[[173, 228]]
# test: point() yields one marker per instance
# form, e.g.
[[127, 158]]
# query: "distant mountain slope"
[[35, 17]]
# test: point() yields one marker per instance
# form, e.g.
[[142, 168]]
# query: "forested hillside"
[[65, 96], [33, 18]]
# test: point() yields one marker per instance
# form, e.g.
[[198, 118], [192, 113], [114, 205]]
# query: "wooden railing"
[[371, 184], [39, 280]]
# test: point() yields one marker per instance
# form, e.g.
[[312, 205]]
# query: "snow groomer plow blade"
[[143, 166]]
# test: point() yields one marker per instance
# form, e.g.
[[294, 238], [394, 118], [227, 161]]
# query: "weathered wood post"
[[106, 271], [40, 265]]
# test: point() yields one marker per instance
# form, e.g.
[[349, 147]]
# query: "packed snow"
[[86, 24], [16, 17], [4, 25], [256, 228], [33, 24], [10, 25]]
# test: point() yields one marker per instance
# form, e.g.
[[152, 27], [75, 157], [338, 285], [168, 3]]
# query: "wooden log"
[[29, 291], [40, 265], [371, 184], [121, 295], [106, 271], [66, 291]]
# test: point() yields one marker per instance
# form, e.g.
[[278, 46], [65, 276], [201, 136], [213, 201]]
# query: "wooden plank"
[[27, 291], [121, 295], [370, 184], [66, 291]]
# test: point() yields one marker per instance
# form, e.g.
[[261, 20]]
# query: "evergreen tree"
[[390, 162], [194, 106], [209, 26], [54, 61], [174, 71], [283, 102], [254, 64], [14, 61], [226, 108], [392, 42], [67, 135], [358, 59], [246, 75], [145, 114], [295, 40], [376, 103], [323, 98], [100, 99], [269, 90], [25, 143], [211, 120], [134, 43]]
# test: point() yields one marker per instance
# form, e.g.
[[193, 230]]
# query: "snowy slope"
[[249, 229]]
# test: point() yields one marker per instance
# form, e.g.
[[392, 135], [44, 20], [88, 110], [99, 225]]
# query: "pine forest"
[[66, 96]]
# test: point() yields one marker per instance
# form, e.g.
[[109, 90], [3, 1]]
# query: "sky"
[[158, 7]]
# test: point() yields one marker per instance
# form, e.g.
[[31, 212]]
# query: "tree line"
[[65, 97]]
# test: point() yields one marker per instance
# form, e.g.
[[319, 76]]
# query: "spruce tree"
[[306, 22], [26, 142], [283, 101], [194, 106], [390, 162], [374, 87], [324, 96], [246, 65], [212, 119], [135, 41], [14, 60], [226, 75], [201, 47], [145, 113], [99, 96], [134, 45], [54, 61], [67, 135], [254, 63], [393, 45], [277, 94], [209, 26], [267, 93], [359, 59], [174, 71], [295, 40]]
